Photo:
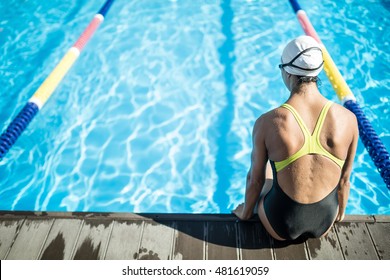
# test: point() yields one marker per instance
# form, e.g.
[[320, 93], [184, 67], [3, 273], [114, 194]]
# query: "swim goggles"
[[298, 55]]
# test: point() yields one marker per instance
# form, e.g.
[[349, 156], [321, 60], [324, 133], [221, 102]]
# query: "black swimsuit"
[[291, 219]]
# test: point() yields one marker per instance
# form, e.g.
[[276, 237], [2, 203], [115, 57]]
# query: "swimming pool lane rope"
[[43, 93], [368, 136]]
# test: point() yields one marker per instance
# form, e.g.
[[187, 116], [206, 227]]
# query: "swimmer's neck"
[[306, 90]]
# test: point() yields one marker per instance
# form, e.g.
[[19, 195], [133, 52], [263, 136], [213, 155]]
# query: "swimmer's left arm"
[[256, 174]]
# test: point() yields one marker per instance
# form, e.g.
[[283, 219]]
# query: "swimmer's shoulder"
[[343, 114], [267, 120]]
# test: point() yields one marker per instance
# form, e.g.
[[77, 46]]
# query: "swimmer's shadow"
[[221, 230]]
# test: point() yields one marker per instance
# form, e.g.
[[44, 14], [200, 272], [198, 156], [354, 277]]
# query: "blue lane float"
[[17, 126], [371, 141]]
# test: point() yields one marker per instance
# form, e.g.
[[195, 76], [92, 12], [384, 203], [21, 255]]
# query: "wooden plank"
[[156, 241], [380, 236], [93, 239], [61, 239], [30, 239], [355, 241], [124, 241], [325, 248], [47, 237], [290, 250], [189, 241], [359, 218], [382, 218], [221, 241], [8, 230], [254, 242]]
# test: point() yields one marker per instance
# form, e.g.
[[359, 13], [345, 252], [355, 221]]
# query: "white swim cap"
[[302, 57]]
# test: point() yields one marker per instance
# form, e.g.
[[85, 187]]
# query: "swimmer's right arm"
[[256, 174], [344, 185]]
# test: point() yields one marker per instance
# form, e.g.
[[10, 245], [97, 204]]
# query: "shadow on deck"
[[76, 235]]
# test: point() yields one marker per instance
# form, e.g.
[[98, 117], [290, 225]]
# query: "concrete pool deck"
[[126, 236]]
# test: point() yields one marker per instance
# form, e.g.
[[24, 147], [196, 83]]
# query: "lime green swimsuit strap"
[[317, 147], [298, 118], [311, 144], [321, 119], [279, 165]]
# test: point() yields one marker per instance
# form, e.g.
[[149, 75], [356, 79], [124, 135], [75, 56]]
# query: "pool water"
[[157, 113]]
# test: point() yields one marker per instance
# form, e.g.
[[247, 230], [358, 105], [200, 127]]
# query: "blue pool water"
[[156, 114]]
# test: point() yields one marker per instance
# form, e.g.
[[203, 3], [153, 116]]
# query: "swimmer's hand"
[[340, 217], [240, 212]]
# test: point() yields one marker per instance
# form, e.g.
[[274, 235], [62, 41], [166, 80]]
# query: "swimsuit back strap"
[[316, 147], [279, 165], [321, 120], [312, 144], [298, 118]]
